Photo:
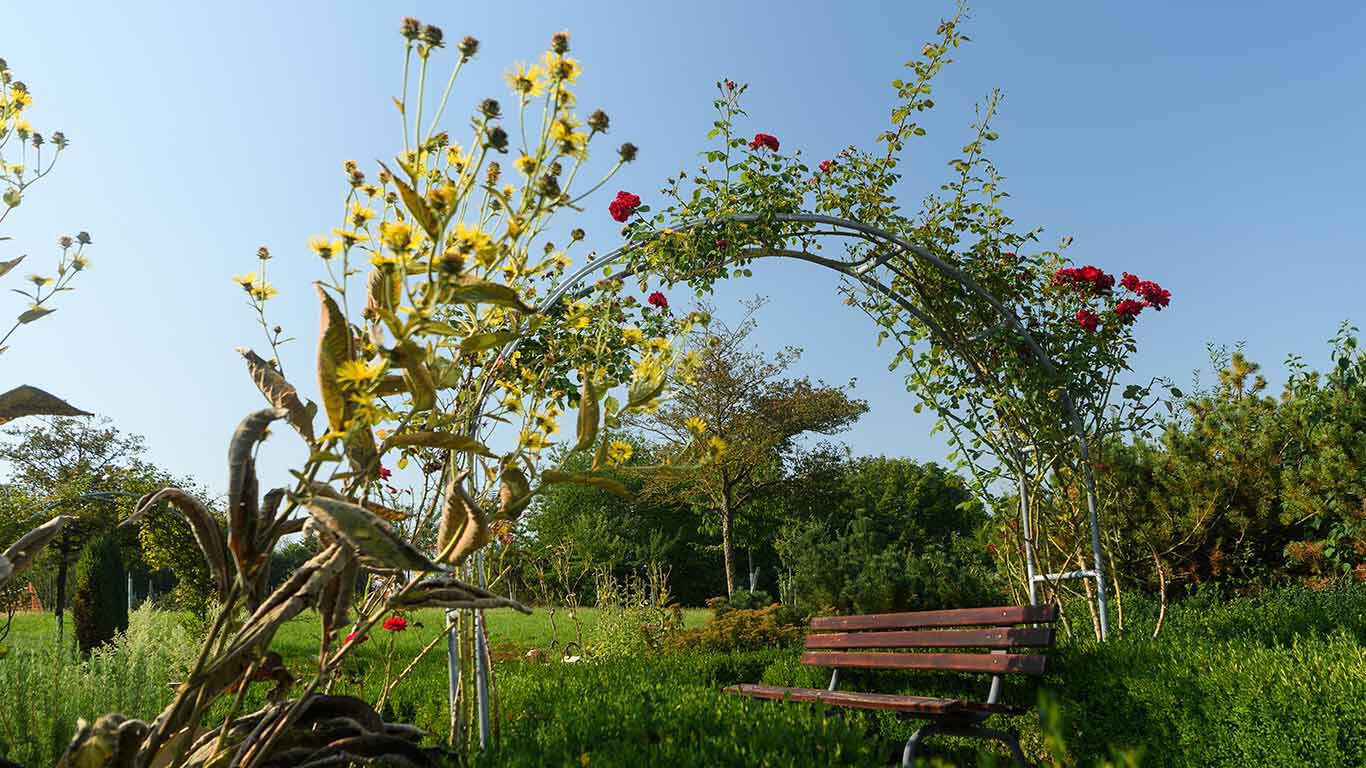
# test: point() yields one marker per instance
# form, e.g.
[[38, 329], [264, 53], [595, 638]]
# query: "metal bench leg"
[[1005, 737], [913, 744]]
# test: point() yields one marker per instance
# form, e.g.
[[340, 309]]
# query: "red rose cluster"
[[1088, 320], [1154, 295], [766, 140], [827, 166], [658, 300], [1090, 278], [1094, 281], [623, 206]]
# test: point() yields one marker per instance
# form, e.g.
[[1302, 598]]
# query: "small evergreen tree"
[[100, 605]]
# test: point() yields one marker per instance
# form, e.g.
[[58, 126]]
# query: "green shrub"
[[99, 605], [744, 598], [732, 629]]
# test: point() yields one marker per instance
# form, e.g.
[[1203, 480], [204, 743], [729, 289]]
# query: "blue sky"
[[1214, 147]]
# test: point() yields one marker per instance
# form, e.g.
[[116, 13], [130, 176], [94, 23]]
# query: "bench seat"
[[923, 706]]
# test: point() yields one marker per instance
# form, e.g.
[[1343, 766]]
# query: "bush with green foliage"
[[99, 606], [742, 629], [896, 535]]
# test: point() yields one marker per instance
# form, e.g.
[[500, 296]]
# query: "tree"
[[751, 420], [889, 534], [99, 608]]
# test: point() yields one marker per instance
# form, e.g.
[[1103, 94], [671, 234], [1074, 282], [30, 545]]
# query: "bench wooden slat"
[[993, 663], [1000, 616], [1014, 637]]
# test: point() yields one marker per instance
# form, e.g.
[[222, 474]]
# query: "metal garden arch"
[[860, 270]]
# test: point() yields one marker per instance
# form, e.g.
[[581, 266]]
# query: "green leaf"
[[554, 476], [35, 313], [6, 266], [482, 341], [444, 440], [417, 206], [472, 290]]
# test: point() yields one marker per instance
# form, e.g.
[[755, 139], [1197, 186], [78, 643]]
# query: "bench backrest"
[[871, 641]]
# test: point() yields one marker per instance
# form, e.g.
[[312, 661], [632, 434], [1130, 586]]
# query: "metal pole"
[[1028, 538], [481, 679], [452, 667]]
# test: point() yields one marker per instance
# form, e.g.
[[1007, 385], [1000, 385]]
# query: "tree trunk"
[[64, 554], [1161, 595], [728, 545]]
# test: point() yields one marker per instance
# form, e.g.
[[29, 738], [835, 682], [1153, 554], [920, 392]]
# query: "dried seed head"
[[83, 237], [468, 47], [598, 121], [65, 241], [410, 28], [490, 109], [577, 235], [433, 36], [263, 253], [559, 42], [497, 139], [628, 152]]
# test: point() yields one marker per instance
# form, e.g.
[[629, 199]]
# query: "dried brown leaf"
[[279, 392]]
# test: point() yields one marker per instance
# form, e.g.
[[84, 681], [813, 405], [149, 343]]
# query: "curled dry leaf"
[[30, 401], [387, 513], [589, 415], [449, 592], [19, 556], [334, 348], [417, 376], [464, 526], [382, 294], [202, 524], [279, 392], [514, 493], [243, 516], [373, 539]]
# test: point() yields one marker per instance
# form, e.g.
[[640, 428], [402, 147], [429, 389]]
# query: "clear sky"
[[1214, 147]]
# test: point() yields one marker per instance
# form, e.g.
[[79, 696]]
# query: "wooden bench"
[[982, 640]]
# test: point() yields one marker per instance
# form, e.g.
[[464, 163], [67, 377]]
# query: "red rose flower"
[[384, 473], [1088, 320], [1129, 309], [359, 640], [395, 624], [730, 85], [991, 549], [1129, 281], [1153, 294], [657, 299], [623, 206], [827, 166], [722, 244], [1090, 278], [764, 140]]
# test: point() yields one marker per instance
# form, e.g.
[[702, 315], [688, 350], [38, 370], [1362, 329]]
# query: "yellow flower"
[[245, 280], [533, 440], [696, 424], [657, 345], [370, 190], [560, 67], [20, 98], [261, 291], [547, 423], [442, 197], [475, 242], [350, 237], [716, 448], [324, 247], [397, 235], [22, 127], [526, 164], [619, 452], [357, 373], [528, 80], [632, 335], [456, 157], [361, 214], [565, 130]]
